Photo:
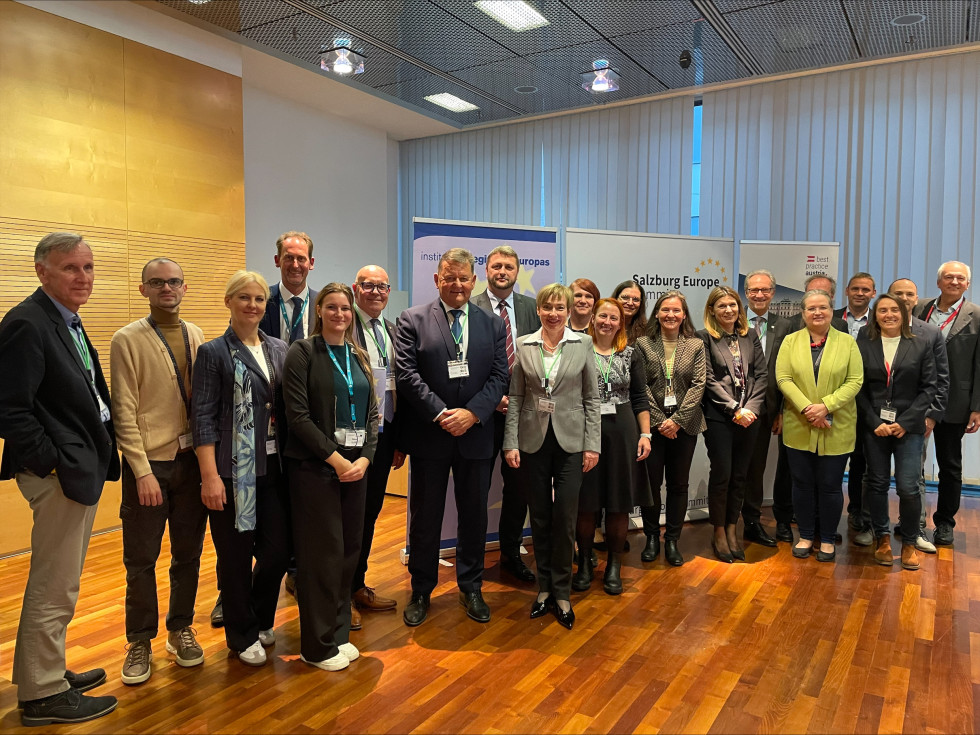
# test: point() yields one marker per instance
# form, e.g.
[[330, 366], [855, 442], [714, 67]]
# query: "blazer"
[[213, 399], [776, 331], [913, 382], [51, 420], [273, 314], [361, 339], [311, 402], [796, 323], [840, 377], [688, 381], [525, 309], [423, 347], [720, 399], [963, 355], [577, 420]]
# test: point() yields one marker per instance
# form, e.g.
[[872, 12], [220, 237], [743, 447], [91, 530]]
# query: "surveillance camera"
[[685, 59]]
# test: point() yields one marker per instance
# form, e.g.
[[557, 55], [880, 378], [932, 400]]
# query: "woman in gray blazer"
[[553, 433]]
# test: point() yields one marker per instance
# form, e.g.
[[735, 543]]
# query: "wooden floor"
[[773, 645]]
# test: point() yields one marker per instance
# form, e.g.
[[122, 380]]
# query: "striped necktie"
[[511, 355]]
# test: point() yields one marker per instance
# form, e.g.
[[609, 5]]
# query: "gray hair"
[[817, 292], [63, 242], [942, 269], [458, 256], [761, 272], [833, 284]]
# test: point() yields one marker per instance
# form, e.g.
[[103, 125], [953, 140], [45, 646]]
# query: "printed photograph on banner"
[[790, 263]]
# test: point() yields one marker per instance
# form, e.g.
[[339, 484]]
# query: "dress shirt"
[[465, 308], [286, 295], [763, 330], [937, 317], [552, 362], [369, 343], [512, 315], [854, 323], [69, 316]]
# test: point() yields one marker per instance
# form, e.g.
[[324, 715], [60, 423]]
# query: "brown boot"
[[355, 617], [883, 551], [910, 560]]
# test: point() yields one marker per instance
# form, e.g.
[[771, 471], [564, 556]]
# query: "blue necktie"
[[457, 326], [296, 331], [390, 399]]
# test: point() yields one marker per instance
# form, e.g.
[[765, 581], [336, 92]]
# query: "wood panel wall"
[[138, 150]]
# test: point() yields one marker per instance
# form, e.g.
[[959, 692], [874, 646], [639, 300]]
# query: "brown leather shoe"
[[910, 559], [365, 599], [883, 551], [355, 617]]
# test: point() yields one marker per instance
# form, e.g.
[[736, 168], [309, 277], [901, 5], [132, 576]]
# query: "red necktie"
[[511, 356]]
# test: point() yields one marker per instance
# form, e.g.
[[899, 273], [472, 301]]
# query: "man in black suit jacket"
[[451, 372], [376, 335], [60, 448], [959, 321], [291, 299], [520, 315]]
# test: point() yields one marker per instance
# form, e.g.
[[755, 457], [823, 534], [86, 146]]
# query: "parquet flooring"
[[772, 645]]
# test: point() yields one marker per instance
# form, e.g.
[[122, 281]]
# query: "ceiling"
[[415, 48]]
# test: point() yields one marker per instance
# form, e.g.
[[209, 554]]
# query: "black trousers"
[[948, 439], [782, 487], [513, 503], [554, 478], [856, 469], [427, 502], [328, 517], [671, 458], [249, 598], [374, 498], [755, 475], [142, 533], [729, 452]]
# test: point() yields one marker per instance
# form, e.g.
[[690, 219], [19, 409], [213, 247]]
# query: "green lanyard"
[[669, 367], [603, 375], [547, 370], [459, 342], [383, 345], [82, 351]]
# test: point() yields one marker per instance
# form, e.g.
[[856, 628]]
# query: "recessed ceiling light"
[[515, 14], [450, 102], [908, 20], [198, 2], [527, 89]]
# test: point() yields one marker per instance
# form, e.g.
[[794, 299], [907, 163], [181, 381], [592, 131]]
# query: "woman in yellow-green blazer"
[[820, 372]]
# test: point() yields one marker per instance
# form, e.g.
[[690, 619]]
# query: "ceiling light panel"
[[516, 15], [451, 102], [565, 28], [945, 24], [415, 91]]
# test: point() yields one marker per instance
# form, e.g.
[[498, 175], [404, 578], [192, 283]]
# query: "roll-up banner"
[[537, 250], [658, 263]]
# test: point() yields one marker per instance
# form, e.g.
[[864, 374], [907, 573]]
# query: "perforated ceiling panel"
[[890, 27]]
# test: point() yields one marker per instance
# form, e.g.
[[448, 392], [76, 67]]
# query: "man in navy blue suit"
[[290, 312], [451, 372]]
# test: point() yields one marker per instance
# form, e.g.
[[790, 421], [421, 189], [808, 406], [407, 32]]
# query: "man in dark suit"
[[959, 321], [451, 372], [760, 287], [520, 316], [290, 312], [60, 448], [376, 335]]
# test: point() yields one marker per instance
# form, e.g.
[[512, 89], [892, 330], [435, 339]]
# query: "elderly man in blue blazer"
[[451, 372]]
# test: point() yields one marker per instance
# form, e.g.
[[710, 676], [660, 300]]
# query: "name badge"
[[390, 382], [270, 446], [546, 405], [354, 438], [670, 401], [185, 440], [458, 369], [607, 408], [889, 415]]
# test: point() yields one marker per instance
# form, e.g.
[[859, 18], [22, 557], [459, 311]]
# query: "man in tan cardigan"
[[151, 362]]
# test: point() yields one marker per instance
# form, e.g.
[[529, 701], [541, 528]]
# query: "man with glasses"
[[151, 362], [959, 321], [376, 335]]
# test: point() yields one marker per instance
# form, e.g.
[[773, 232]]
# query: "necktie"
[[296, 329], [380, 339], [758, 325], [457, 326], [511, 356]]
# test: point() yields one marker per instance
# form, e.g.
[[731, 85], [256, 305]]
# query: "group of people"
[[281, 434]]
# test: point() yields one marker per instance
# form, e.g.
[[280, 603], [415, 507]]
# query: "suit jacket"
[[525, 310], [720, 396], [51, 419], [840, 377], [776, 331], [361, 339], [423, 347], [577, 421], [796, 323], [310, 397], [270, 323], [213, 399], [913, 383], [964, 360], [687, 380]]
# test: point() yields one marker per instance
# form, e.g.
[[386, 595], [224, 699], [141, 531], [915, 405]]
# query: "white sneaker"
[[336, 663], [925, 545], [254, 655], [350, 651], [267, 637]]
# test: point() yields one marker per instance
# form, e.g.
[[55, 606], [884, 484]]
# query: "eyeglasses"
[[158, 283], [379, 287], [759, 291], [630, 299]]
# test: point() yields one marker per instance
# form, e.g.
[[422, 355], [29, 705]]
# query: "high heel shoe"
[[541, 607], [721, 555], [566, 619], [731, 531]]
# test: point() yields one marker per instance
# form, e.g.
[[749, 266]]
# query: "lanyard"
[[763, 328], [298, 316], [546, 369], [82, 351], [949, 319], [349, 379], [459, 342], [173, 360], [382, 345], [598, 364]]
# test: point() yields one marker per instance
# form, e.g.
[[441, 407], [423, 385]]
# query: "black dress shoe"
[[218, 614], [516, 567], [79, 682], [784, 532], [671, 555], [417, 610], [566, 619], [943, 535], [65, 707], [802, 553], [476, 608], [756, 533], [721, 555], [738, 554], [541, 607], [652, 550]]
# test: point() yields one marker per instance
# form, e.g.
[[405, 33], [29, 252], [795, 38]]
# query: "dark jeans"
[[670, 457], [730, 452], [949, 457], [907, 451], [755, 475], [248, 597], [817, 492], [328, 516], [858, 466], [374, 498], [782, 487], [513, 502], [142, 532], [552, 469]]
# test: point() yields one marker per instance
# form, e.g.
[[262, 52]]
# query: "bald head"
[[371, 287]]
